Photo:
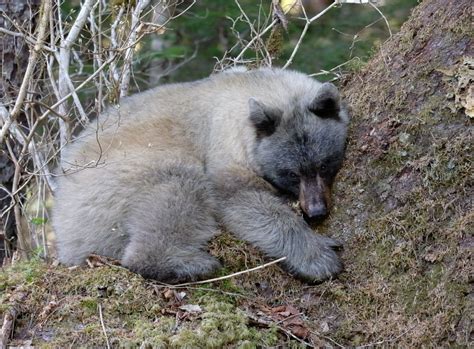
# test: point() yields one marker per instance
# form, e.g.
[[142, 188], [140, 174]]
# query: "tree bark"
[[404, 198]]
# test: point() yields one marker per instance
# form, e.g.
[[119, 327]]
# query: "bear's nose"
[[316, 210]]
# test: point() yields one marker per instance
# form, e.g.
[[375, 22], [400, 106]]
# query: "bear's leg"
[[253, 213], [169, 227], [171, 264]]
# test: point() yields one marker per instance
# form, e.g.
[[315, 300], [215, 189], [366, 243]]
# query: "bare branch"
[[255, 38], [27, 38], [305, 29], [64, 59], [42, 27], [135, 28]]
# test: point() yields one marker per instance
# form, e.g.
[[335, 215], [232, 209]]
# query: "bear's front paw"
[[319, 262]]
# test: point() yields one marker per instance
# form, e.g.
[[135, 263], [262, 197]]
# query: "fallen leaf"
[[191, 308], [289, 318], [299, 331], [94, 261], [168, 294]]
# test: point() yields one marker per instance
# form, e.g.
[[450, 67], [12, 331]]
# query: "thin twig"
[[331, 71], [230, 275], [103, 326], [135, 28], [294, 337], [250, 43], [270, 322], [383, 16], [327, 338], [114, 45], [84, 83], [305, 29], [27, 38]]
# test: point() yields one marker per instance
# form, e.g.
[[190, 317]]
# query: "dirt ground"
[[402, 207]]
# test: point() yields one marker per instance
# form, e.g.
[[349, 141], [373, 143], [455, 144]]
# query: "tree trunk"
[[404, 199]]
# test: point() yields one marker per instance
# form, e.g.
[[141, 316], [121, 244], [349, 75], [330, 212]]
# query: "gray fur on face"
[[149, 181]]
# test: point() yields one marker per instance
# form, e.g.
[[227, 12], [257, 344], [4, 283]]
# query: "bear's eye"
[[323, 168], [288, 174], [292, 175]]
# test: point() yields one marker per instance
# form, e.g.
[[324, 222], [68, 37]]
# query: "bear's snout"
[[314, 197]]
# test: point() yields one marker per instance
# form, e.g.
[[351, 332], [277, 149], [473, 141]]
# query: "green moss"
[[22, 272], [153, 334], [222, 324], [89, 304], [355, 65], [131, 311], [92, 329]]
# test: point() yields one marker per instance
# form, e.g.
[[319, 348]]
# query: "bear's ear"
[[263, 118], [327, 102]]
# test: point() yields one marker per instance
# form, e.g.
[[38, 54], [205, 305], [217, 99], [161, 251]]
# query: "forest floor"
[[403, 208]]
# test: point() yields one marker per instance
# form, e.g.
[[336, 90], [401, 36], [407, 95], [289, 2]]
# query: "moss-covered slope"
[[405, 196]]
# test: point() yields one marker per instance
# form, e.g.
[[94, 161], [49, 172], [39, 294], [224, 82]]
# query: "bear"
[[152, 180]]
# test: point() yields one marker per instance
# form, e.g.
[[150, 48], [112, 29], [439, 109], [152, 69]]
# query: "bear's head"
[[301, 149]]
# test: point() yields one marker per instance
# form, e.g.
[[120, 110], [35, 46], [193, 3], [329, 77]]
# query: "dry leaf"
[[94, 261], [288, 317], [168, 294], [191, 308]]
